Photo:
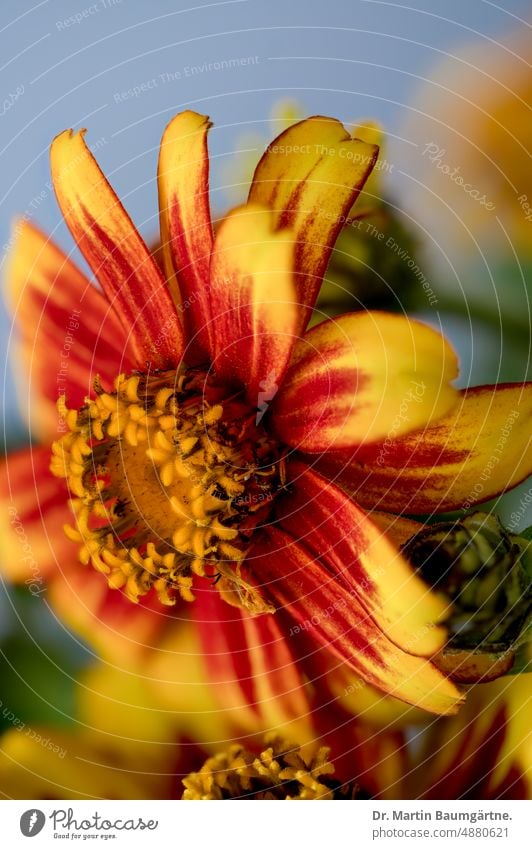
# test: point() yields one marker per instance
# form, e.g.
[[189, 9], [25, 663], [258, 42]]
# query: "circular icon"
[[32, 822]]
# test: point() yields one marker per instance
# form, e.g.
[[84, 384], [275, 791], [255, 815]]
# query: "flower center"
[[171, 474]]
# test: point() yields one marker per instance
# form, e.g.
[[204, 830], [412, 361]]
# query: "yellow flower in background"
[[119, 745], [484, 752], [470, 137], [59, 764]]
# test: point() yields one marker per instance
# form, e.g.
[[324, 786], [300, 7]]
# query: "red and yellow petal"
[[32, 543], [478, 450], [364, 377], [254, 309], [369, 705], [318, 602], [251, 665], [310, 176], [116, 253], [362, 560], [482, 753], [186, 228], [57, 763], [377, 760], [67, 330]]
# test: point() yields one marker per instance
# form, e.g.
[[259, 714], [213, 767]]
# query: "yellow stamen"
[[278, 772], [166, 473]]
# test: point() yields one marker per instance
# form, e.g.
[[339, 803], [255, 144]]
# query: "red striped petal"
[[186, 229], [34, 510], [478, 450], [116, 253], [68, 331], [355, 379], [362, 560], [310, 176], [324, 610], [483, 752], [254, 306], [250, 663]]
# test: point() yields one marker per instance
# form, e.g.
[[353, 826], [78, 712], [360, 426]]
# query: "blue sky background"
[[71, 62]]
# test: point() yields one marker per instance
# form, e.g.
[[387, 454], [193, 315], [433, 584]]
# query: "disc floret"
[[169, 474]]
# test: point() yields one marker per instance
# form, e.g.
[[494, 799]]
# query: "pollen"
[[169, 476]]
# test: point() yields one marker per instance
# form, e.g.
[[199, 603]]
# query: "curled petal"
[[310, 176], [362, 560], [253, 301], [186, 229]]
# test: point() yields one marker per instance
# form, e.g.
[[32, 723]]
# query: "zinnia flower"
[[202, 426], [471, 132]]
